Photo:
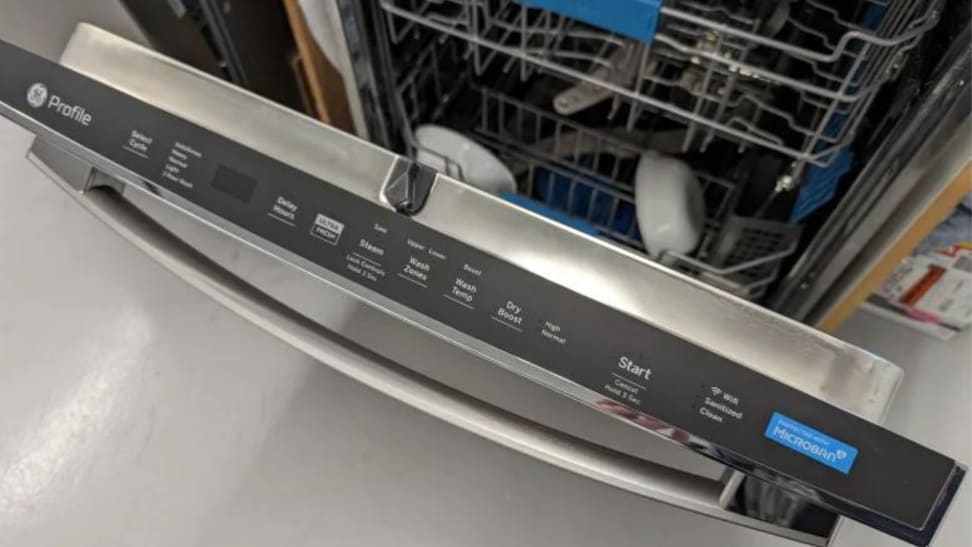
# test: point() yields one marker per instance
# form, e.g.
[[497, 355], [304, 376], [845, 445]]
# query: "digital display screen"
[[234, 183]]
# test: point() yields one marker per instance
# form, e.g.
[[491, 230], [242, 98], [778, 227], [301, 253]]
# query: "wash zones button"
[[811, 443]]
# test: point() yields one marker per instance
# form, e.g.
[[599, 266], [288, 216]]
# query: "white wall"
[[44, 26]]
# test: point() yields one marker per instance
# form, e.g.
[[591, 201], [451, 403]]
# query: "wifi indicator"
[[715, 391]]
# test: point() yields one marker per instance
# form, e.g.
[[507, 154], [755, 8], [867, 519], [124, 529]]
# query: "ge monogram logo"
[[37, 95]]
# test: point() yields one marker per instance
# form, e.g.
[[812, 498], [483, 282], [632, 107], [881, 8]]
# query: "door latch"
[[409, 186]]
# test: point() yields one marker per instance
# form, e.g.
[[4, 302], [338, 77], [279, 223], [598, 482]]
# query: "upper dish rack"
[[795, 77]]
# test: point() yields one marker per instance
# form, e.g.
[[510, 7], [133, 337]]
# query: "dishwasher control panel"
[[659, 381]]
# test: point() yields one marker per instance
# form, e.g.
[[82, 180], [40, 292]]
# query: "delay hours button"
[[509, 314], [285, 210]]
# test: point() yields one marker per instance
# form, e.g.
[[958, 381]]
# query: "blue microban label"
[[813, 444]]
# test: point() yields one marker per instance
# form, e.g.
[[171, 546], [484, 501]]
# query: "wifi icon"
[[715, 391]]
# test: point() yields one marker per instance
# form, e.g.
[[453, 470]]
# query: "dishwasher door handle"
[[644, 478]]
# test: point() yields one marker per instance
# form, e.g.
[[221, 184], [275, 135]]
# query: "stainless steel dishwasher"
[[790, 414]]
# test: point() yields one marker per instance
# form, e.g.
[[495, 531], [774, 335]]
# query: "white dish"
[[671, 207], [462, 158]]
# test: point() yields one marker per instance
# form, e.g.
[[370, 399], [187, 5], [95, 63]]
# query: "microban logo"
[[811, 443], [38, 96]]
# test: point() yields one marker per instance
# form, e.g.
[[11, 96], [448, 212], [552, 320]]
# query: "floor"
[[135, 412]]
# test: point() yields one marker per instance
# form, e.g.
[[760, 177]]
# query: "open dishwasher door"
[[788, 407]]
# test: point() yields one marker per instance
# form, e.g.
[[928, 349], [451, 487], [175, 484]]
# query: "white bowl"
[[671, 207], [462, 158]]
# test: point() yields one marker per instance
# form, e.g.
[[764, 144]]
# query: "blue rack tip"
[[820, 185], [636, 19]]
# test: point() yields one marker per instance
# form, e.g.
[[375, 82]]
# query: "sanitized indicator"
[[811, 443]]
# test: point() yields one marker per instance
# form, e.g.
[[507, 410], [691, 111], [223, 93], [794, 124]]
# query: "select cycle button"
[[139, 144]]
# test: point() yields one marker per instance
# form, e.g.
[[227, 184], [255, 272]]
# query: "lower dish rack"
[[585, 172]]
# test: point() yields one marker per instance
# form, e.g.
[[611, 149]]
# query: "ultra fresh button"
[[327, 229], [811, 443]]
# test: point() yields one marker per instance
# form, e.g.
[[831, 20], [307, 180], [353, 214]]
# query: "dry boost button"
[[510, 315]]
